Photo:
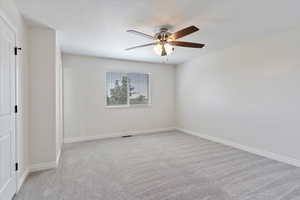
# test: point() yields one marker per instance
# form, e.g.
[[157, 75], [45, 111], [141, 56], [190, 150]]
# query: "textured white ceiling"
[[98, 27]]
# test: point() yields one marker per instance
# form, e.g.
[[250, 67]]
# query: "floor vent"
[[126, 136]]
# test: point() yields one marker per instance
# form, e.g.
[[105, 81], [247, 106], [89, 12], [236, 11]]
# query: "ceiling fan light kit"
[[163, 49], [165, 41]]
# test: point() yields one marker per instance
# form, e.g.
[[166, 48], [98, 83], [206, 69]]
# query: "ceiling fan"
[[165, 41]]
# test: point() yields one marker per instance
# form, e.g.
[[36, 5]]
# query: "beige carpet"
[[163, 166]]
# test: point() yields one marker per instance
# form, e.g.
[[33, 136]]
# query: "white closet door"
[[7, 115]]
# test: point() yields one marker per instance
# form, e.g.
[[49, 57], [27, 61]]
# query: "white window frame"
[[128, 105]]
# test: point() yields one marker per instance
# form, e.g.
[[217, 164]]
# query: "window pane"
[[116, 89], [138, 88]]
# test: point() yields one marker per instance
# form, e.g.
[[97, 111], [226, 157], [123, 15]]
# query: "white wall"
[[43, 90], [85, 114], [248, 94], [9, 11]]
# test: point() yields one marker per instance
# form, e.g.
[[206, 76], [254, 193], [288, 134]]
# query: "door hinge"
[[17, 166], [16, 109], [16, 50]]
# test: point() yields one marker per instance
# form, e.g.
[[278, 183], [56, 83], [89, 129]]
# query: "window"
[[126, 89], [116, 89]]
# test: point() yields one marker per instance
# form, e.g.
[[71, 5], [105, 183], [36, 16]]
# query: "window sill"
[[129, 106]]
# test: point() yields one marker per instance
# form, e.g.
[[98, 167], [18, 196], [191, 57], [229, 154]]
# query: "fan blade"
[[140, 46], [140, 34], [186, 44], [184, 32]]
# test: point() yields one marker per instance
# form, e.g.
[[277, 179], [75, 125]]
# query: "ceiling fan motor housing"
[[163, 35]]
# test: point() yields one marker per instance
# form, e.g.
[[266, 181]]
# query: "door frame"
[[17, 89]]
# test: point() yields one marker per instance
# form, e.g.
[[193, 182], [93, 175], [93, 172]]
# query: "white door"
[[7, 113]]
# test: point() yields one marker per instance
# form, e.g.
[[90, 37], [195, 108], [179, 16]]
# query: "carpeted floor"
[[163, 166]]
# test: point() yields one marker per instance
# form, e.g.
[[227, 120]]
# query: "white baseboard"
[[267, 154], [37, 167], [45, 166], [42, 166], [116, 134], [22, 179]]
